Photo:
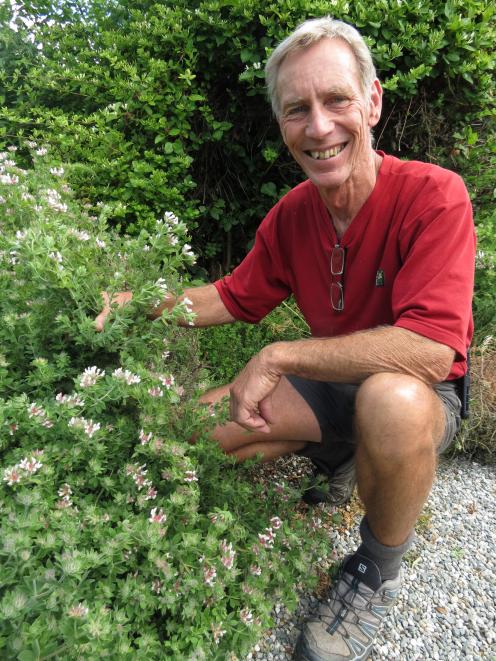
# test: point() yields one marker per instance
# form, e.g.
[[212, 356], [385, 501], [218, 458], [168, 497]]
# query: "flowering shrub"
[[118, 537]]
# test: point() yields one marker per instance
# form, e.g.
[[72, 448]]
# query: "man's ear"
[[375, 103]]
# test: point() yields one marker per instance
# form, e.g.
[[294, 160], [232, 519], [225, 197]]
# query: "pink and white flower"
[[217, 632], [127, 376], [30, 465], [145, 438], [9, 179], [12, 475], [276, 522], [255, 570], [246, 616], [190, 476], [267, 540], [209, 575], [228, 554], [35, 411], [90, 376], [157, 586], [70, 400], [167, 381], [65, 492], [80, 610], [157, 516], [90, 427], [151, 494], [155, 392]]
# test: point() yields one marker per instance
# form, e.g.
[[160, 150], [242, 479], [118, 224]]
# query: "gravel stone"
[[446, 609]]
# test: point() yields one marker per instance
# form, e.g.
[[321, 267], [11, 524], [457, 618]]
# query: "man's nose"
[[320, 123]]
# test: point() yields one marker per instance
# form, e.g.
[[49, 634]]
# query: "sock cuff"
[[381, 550]]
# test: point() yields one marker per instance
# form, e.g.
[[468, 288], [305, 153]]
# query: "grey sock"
[[387, 558]]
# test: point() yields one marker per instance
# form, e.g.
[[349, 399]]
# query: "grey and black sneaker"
[[348, 621], [341, 483]]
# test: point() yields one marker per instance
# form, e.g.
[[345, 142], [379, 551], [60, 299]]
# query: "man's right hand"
[[119, 299]]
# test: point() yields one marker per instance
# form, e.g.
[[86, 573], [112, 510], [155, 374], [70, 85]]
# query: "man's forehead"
[[333, 58]]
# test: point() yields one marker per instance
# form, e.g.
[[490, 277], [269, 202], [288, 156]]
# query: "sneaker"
[[348, 621], [341, 485]]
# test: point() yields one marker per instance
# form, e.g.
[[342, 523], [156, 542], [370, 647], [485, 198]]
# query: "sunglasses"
[[337, 271]]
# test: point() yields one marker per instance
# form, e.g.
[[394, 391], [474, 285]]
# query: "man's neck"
[[345, 202]]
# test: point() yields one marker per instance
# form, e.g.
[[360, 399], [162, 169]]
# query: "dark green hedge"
[[162, 105]]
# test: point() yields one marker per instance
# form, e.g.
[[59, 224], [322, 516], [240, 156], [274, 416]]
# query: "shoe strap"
[[365, 570]]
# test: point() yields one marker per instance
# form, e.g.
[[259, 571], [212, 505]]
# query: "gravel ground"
[[447, 605]]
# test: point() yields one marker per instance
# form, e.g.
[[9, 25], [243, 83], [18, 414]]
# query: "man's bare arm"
[[347, 359], [352, 358], [205, 303]]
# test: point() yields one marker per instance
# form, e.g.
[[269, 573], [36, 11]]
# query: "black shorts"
[[334, 407]]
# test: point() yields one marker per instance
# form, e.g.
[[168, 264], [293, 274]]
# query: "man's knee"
[[397, 415]]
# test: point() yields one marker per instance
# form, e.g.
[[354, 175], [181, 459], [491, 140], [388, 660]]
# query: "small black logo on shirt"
[[379, 278]]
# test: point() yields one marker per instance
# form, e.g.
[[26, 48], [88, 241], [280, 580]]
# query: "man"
[[379, 255]]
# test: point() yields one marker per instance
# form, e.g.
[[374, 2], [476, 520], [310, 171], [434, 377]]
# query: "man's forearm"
[[353, 358], [204, 301]]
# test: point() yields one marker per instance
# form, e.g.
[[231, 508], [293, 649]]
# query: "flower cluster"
[[190, 476], [127, 376], [267, 540], [81, 235], [88, 426], [90, 376], [64, 493], [228, 554], [157, 515], [69, 400], [246, 616], [80, 610], [217, 631], [35, 411], [167, 381], [138, 473], [25, 468], [54, 201], [209, 575]]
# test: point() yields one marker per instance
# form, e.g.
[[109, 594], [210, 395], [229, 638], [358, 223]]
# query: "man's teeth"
[[328, 153]]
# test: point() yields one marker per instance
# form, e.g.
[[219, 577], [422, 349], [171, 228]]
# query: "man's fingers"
[[120, 299], [266, 410]]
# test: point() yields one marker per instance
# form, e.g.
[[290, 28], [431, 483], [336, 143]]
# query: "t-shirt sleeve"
[[432, 293], [260, 282]]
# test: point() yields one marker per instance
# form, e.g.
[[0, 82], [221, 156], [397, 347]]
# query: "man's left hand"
[[251, 391]]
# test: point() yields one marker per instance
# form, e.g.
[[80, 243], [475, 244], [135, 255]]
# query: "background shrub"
[[162, 105]]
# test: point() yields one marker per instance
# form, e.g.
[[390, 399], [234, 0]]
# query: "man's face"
[[325, 118]]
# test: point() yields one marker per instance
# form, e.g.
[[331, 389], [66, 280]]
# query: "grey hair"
[[310, 32]]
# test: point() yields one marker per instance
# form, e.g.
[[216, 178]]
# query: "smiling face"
[[325, 117]]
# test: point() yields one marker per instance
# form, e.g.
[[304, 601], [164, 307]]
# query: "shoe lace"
[[349, 609]]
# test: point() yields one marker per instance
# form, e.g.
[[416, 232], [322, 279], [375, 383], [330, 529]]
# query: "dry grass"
[[477, 437]]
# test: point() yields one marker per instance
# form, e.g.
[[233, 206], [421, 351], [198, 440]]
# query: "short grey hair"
[[310, 32]]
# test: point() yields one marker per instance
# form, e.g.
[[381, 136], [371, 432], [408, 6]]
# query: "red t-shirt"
[[410, 255]]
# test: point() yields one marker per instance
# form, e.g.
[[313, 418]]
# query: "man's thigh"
[[333, 405], [293, 420]]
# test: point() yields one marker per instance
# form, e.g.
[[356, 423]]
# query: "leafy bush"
[[162, 105], [245, 340], [119, 538]]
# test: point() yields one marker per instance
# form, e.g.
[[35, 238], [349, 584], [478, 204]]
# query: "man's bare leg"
[[294, 424], [400, 422]]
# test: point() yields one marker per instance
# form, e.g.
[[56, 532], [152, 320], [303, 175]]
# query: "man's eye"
[[338, 101], [295, 110]]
